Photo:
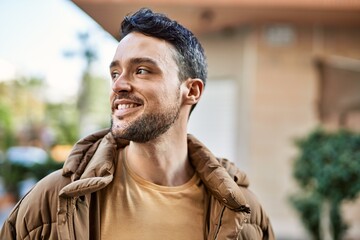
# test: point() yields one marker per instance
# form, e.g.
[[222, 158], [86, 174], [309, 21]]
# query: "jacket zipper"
[[71, 218], [218, 223]]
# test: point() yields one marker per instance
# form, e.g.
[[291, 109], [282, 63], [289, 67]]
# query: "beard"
[[148, 126]]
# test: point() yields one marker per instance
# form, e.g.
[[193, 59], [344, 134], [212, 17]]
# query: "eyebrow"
[[114, 64], [134, 61]]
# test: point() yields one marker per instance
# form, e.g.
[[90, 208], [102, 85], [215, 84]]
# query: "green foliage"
[[308, 207], [6, 136], [327, 168], [328, 162], [39, 171], [13, 173], [92, 103], [27, 120], [339, 226], [63, 119], [21, 117]]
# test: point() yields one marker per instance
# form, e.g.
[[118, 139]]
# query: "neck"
[[163, 161]]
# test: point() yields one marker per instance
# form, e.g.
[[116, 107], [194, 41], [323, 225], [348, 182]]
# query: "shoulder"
[[257, 222], [46, 189], [235, 173], [239, 224], [37, 210]]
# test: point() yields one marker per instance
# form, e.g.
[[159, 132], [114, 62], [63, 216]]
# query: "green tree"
[[327, 170], [21, 107], [88, 54], [6, 128], [62, 119], [21, 104]]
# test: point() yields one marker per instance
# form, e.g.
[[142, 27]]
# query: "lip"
[[128, 106]]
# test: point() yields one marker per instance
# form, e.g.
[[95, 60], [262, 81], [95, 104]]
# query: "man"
[[146, 178]]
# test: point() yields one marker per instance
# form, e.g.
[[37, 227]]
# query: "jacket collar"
[[91, 166], [217, 178]]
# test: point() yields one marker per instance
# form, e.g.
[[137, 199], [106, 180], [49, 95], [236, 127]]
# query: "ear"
[[193, 90]]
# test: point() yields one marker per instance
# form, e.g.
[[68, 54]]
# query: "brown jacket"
[[64, 205]]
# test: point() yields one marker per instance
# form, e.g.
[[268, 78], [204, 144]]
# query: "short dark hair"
[[190, 58]]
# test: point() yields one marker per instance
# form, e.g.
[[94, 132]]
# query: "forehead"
[[138, 45]]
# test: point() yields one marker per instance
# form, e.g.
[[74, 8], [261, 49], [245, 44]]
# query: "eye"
[[142, 71], [114, 75]]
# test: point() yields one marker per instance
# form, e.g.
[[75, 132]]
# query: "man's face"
[[145, 100]]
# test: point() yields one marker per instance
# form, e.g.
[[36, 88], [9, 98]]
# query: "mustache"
[[129, 96]]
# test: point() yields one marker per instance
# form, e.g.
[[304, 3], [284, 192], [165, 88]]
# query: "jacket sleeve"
[[269, 233], [8, 230], [34, 216], [266, 227], [258, 226]]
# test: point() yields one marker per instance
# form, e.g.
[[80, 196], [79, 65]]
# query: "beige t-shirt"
[[133, 208]]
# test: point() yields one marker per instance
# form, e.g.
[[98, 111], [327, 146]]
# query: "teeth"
[[125, 106]]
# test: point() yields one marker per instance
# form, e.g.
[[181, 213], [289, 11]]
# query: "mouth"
[[122, 107]]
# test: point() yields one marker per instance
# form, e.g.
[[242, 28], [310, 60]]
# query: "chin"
[[117, 128]]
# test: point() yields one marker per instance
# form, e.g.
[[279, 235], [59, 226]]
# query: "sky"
[[34, 35]]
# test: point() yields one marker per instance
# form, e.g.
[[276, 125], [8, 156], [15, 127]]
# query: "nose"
[[121, 84]]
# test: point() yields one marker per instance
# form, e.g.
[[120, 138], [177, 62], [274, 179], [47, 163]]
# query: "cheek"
[[170, 96], [165, 94]]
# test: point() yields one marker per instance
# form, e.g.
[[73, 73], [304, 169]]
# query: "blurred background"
[[282, 99]]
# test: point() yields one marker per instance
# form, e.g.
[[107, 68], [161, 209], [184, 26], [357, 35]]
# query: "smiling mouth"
[[124, 106], [127, 106]]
